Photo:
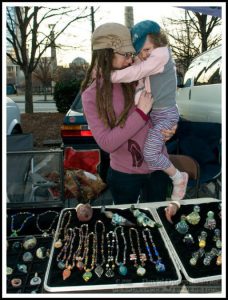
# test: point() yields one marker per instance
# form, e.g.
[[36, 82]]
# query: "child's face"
[[146, 49]]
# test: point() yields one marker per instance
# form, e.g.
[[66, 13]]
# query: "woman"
[[118, 125]]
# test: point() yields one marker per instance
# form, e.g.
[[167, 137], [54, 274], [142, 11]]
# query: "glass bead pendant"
[[122, 269], [14, 234], [99, 270], [188, 239], [202, 239], [219, 260], [194, 217], [210, 221], [141, 271], [61, 265], [58, 244], [159, 266], [66, 273], [87, 275], [196, 255], [209, 256], [182, 227]]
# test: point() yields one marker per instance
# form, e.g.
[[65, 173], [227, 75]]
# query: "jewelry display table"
[[135, 258]]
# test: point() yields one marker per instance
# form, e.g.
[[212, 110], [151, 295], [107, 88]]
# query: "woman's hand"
[[168, 133], [145, 102]]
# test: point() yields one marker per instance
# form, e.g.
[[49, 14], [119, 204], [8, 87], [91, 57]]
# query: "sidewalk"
[[36, 98]]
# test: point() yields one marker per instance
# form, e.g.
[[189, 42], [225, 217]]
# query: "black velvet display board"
[[185, 251], [55, 277], [45, 220], [37, 265]]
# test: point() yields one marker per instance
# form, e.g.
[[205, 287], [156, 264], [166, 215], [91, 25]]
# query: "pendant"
[[27, 256], [58, 244], [14, 234], [45, 234], [80, 265], [41, 253], [22, 268], [122, 269], [141, 271], [159, 266], [9, 271], [66, 273], [99, 270], [87, 275], [35, 280], [109, 273], [61, 265]]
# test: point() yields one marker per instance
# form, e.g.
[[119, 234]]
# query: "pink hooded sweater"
[[125, 145]]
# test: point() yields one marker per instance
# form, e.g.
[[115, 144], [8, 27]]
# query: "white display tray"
[[51, 286], [170, 245]]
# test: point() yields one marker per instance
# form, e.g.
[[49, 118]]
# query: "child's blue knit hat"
[[139, 32]]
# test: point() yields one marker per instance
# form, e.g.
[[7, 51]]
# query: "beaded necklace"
[[63, 251], [45, 231], [79, 255], [58, 243], [133, 256], [99, 270], [15, 231], [110, 266], [69, 267], [122, 267], [88, 274], [160, 267]]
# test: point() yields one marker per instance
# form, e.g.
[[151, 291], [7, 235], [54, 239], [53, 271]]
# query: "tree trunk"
[[28, 93]]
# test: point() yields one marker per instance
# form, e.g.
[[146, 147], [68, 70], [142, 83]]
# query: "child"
[[155, 70]]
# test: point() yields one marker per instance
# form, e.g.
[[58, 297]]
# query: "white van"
[[199, 98]]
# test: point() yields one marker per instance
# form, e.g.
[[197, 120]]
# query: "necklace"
[[68, 237], [110, 266], [15, 231], [122, 267], [45, 231], [69, 267], [160, 267], [79, 255], [88, 274], [133, 256], [99, 270], [58, 243]]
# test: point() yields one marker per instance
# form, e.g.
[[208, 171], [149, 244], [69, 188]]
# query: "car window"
[[77, 104]]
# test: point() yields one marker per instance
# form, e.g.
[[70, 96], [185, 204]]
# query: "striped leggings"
[[154, 145]]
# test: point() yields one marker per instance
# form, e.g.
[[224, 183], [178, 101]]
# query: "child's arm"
[[153, 65]]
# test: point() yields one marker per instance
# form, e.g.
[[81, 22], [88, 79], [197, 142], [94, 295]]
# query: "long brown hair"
[[102, 62], [160, 39]]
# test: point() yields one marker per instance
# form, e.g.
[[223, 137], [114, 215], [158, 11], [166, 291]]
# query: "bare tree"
[[191, 35], [43, 73], [23, 30]]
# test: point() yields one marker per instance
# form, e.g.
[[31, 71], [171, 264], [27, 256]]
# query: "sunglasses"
[[127, 54]]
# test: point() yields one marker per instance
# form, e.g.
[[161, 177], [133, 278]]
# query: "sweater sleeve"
[[154, 64], [110, 139]]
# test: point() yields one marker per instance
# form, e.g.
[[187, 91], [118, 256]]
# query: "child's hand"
[[170, 211], [145, 102]]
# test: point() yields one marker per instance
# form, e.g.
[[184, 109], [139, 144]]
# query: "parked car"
[[199, 97], [13, 117]]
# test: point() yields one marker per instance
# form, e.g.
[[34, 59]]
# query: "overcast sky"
[[79, 34]]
